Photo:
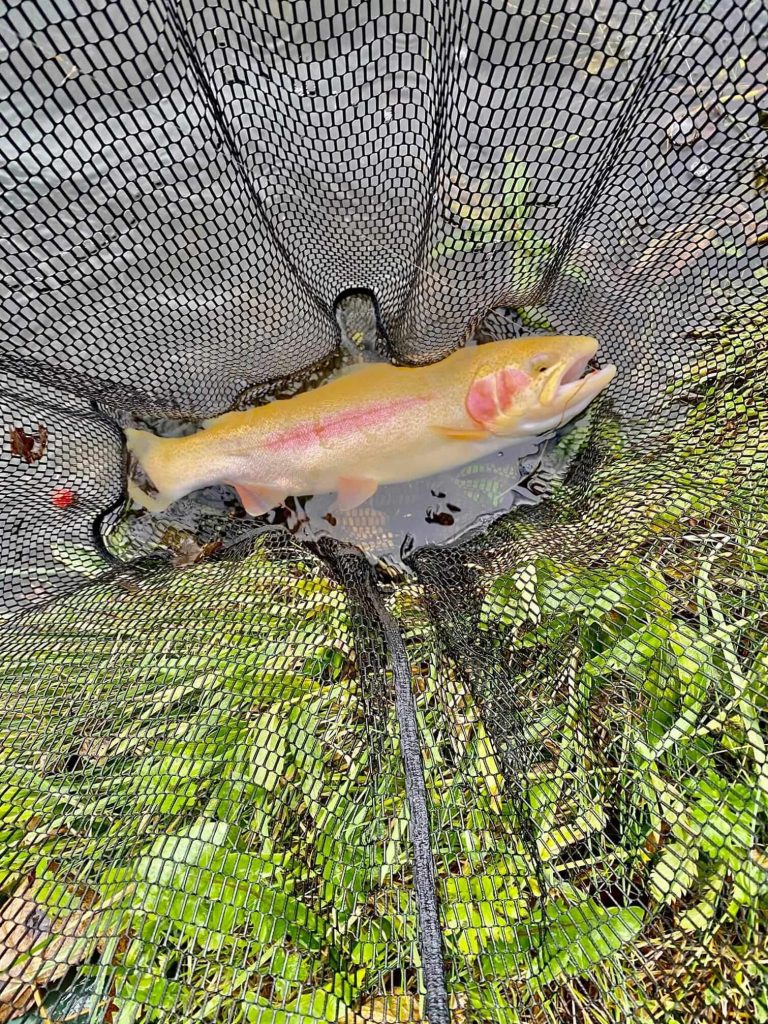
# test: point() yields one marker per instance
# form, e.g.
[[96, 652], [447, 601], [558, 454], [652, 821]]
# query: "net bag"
[[521, 777]]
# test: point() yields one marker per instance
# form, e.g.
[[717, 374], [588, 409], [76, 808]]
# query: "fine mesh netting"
[[252, 778]]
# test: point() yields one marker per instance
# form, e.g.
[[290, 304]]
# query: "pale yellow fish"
[[377, 424]]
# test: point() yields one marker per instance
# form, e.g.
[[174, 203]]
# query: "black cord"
[[424, 878], [357, 577]]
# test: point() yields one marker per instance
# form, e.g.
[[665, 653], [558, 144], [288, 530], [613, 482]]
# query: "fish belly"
[[383, 465], [438, 456]]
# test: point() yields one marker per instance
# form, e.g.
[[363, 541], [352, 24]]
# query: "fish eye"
[[541, 367]]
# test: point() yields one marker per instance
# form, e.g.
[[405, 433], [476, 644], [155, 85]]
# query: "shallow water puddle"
[[433, 510]]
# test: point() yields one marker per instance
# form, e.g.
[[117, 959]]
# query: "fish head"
[[528, 386]]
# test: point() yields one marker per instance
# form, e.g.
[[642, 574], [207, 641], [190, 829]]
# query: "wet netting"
[[517, 777]]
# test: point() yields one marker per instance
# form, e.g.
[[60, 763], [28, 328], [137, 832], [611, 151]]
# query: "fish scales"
[[378, 424]]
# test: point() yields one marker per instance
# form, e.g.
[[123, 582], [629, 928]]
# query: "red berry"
[[62, 497]]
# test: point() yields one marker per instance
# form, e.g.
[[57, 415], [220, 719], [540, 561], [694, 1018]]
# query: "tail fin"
[[146, 449]]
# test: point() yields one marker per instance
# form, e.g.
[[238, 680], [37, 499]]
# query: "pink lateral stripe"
[[342, 424]]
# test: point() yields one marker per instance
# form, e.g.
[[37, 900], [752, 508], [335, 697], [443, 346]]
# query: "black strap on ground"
[[424, 879], [359, 581]]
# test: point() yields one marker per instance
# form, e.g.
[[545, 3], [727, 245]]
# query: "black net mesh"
[[247, 777]]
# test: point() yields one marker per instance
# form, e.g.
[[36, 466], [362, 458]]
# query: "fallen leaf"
[[186, 549], [25, 926], [30, 448], [389, 1009]]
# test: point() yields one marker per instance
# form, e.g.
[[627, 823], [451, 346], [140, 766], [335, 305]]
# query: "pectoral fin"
[[352, 492], [462, 433], [258, 500]]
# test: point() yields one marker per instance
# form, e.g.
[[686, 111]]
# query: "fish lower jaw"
[[554, 422], [572, 399]]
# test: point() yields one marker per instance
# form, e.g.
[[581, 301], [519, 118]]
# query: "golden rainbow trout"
[[377, 424]]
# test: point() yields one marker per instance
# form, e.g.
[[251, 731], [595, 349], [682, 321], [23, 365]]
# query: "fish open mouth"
[[584, 379], [576, 370]]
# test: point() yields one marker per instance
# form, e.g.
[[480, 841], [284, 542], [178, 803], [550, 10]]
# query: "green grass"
[[637, 632], [493, 222], [198, 804]]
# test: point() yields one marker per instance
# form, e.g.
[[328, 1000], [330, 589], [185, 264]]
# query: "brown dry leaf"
[[191, 552], [390, 1009], [95, 750], [186, 549], [30, 448], [24, 926]]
